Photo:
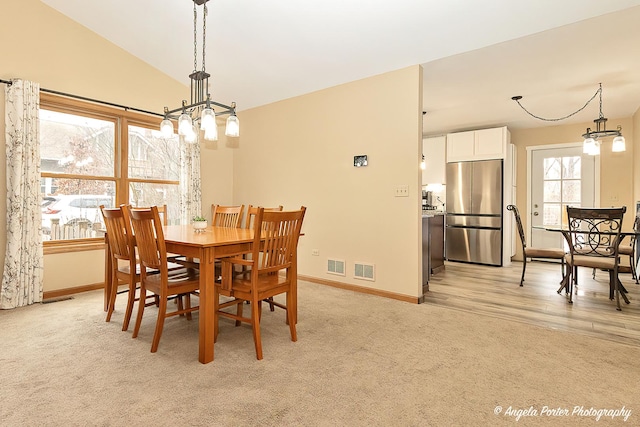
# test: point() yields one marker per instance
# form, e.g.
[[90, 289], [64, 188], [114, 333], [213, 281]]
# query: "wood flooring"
[[495, 291]]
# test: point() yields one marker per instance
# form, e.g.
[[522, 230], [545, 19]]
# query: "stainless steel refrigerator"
[[474, 212]]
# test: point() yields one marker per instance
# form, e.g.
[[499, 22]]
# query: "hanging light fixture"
[[592, 138], [199, 109]]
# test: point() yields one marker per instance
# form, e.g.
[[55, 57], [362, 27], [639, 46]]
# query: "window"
[[87, 161], [562, 187]]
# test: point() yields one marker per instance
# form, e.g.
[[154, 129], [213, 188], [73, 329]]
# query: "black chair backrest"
[[516, 213], [595, 231]]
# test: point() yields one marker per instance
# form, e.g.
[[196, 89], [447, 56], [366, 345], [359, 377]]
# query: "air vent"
[[335, 266], [364, 271]]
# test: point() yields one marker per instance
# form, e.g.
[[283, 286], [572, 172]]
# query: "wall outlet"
[[315, 252], [402, 191]]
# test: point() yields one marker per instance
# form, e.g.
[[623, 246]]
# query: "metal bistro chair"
[[529, 252], [594, 241]]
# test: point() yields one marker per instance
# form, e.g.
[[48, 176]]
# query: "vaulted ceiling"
[[476, 55]]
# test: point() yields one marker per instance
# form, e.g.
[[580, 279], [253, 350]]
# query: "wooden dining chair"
[[531, 252], [226, 216], [252, 212], [275, 242], [125, 268], [162, 211], [152, 251], [594, 241]]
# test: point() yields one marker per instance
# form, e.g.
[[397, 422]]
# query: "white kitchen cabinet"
[[434, 149], [484, 144]]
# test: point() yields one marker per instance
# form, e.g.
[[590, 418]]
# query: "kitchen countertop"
[[431, 213]]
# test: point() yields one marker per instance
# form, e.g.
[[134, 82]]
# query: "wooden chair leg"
[[141, 304], [255, 326], [130, 300], [524, 267], [290, 321], [187, 301], [162, 312], [178, 301], [239, 310], [112, 298]]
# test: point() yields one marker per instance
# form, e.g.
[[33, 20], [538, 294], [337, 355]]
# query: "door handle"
[[535, 214]]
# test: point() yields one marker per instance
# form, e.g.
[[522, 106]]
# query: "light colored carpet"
[[360, 360]]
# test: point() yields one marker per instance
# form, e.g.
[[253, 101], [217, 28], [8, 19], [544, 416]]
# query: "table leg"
[[206, 340]]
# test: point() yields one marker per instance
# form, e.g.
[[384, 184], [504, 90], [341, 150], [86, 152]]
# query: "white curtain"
[[23, 265], [190, 189]]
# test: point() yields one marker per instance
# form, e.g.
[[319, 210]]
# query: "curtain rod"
[[55, 92]]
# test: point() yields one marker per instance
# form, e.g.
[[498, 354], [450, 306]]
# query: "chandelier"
[[592, 138], [199, 113]]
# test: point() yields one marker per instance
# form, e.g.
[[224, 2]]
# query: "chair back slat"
[[147, 227], [253, 210], [226, 216], [279, 232], [119, 233]]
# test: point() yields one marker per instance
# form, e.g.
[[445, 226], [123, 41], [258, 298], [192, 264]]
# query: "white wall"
[[300, 152]]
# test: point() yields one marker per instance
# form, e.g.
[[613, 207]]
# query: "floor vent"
[[335, 266], [364, 271]]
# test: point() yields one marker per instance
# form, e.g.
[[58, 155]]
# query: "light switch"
[[402, 191]]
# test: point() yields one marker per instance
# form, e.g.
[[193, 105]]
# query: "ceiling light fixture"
[[592, 138], [200, 108]]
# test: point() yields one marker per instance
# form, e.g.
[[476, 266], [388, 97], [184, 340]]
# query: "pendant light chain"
[[204, 36], [195, 40], [599, 91]]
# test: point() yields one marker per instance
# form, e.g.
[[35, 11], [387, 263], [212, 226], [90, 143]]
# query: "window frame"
[[122, 119]]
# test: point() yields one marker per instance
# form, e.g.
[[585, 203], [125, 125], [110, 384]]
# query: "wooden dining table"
[[207, 246]]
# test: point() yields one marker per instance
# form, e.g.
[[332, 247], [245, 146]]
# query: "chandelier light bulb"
[[595, 150], [211, 134], [192, 135], [207, 119], [618, 145], [166, 128], [184, 124], [588, 145], [233, 126]]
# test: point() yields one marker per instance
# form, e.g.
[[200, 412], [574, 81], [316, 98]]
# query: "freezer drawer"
[[481, 246], [487, 221]]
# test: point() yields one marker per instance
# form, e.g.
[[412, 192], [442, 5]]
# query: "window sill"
[[67, 246]]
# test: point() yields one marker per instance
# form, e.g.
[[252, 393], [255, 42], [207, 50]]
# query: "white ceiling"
[[476, 55]]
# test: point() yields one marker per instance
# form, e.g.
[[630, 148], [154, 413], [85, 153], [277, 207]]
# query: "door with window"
[[559, 177]]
